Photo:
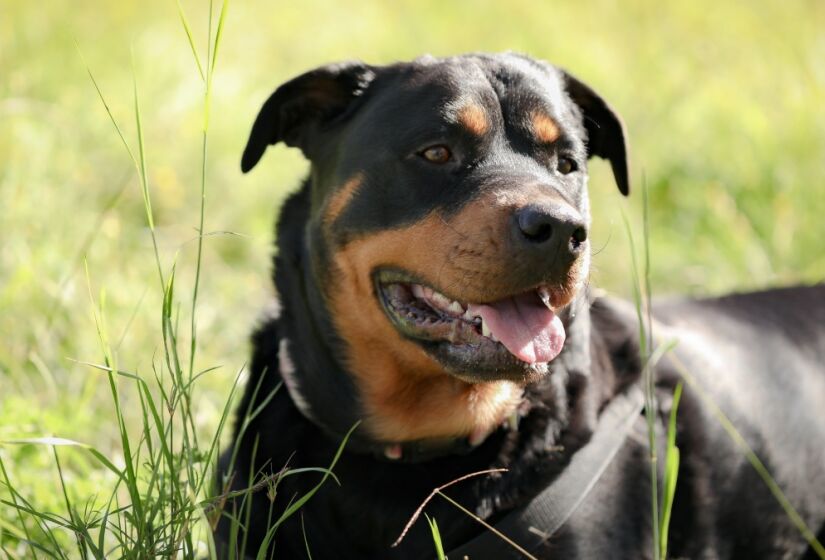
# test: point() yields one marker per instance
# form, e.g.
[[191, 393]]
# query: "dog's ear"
[[605, 129], [298, 109]]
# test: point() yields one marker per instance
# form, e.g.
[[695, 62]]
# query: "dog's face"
[[449, 216]]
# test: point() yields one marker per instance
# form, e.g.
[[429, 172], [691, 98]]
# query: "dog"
[[433, 274]]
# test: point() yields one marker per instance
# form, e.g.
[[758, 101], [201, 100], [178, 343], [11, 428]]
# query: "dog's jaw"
[[405, 394]]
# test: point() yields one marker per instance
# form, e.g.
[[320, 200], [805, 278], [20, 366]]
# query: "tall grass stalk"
[[211, 59], [641, 299], [650, 356]]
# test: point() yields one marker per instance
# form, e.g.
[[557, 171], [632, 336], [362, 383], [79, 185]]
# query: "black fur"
[[759, 356]]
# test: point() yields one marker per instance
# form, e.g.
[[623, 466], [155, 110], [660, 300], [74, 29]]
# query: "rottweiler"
[[432, 273]]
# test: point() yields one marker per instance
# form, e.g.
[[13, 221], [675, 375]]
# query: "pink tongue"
[[525, 326]]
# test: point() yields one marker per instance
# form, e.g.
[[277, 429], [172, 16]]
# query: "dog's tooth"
[[477, 436], [493, 337], [485, 330], [440, 300], [512, 421], [544, 295], [418, 291], [455, 308], [467, 315]]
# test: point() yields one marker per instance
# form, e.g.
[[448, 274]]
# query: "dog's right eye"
[[566, 165], [436, 154]]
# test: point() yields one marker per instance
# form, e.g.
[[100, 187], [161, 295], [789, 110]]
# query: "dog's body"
[[432, 274]]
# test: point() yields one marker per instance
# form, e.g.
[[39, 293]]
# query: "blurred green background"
[[724, 103]]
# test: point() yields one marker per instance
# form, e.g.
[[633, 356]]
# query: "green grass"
[[439, 548], [672, 463], [722, 102], [649, 358]]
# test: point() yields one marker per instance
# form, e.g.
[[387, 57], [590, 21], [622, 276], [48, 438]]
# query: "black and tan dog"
[[433, 272]]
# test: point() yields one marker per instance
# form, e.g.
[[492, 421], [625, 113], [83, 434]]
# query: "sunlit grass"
[[165, 500]]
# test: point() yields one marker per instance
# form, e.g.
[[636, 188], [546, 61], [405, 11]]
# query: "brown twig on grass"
[[438, 490]]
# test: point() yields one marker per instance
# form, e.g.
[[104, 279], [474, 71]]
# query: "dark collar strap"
[[533, 524], [418, 451]]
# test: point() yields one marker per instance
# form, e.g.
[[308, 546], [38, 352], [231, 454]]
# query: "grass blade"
[[57, 442], [488, 526], [144, 181], [218, 35], [14, 501], [306, 542], [69, 510], [439, 548], [752, 458], [672, 460], [647, 383], [295, 506], [106, 106], [191, 40]]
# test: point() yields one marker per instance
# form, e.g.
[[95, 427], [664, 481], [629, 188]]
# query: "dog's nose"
[[546, 226]]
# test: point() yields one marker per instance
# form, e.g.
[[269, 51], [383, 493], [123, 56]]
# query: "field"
[[723, 104]]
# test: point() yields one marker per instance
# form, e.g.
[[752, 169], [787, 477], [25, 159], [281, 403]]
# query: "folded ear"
[[605, 130], [301, 107]]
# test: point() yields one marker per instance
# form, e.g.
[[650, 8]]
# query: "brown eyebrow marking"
[[544, 127], [473, 117], [339, 200]]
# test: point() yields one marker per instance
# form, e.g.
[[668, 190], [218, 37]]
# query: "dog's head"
[[448, 229]]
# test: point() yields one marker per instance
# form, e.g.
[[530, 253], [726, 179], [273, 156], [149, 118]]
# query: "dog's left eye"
[[566, 165], [436, 154]]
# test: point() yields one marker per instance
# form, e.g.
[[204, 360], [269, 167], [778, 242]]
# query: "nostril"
[[542, 225], [539, 234], [535, 225], [579, 236]]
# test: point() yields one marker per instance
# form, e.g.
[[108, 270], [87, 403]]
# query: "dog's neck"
[[325, 392], [318, 385]]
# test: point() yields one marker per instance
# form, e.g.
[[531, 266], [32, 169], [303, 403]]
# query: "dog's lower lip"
[[456, 343], [457, 334]]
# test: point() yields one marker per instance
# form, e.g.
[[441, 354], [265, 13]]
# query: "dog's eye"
[[566, 165], [436, 154]]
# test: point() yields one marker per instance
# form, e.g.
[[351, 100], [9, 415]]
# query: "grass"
[[672, 462], [161, 503], [649, 358], [439, 548], [732, 161]]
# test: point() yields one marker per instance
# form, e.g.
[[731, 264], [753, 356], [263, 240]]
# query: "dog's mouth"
[[510, 338]]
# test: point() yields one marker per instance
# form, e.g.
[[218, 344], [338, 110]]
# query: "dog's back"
[[757, 361]]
